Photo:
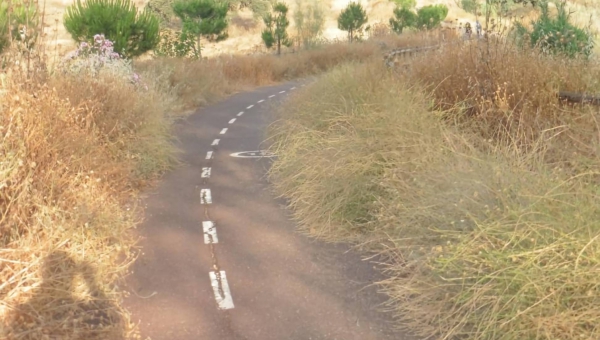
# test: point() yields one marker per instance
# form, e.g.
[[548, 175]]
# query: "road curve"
[[215, 215]]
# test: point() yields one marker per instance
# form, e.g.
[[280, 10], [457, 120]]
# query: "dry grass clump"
[[74, 152], [199, 82], [483, 242], [511, 94]]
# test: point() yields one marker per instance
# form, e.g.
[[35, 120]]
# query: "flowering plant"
[[100, 57]]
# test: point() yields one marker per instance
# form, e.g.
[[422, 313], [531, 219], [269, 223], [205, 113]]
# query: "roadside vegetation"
[[82, 134], [467, 175]]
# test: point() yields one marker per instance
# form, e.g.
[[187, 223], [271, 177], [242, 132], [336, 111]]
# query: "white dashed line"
[[271, 96], [282, 92], [205, 172], [249, 107], [232, 121], [210, 232], [260, 101], [215, 142], [223, 131], [224, 302], [205, 197], [209, 155], [240, 114]]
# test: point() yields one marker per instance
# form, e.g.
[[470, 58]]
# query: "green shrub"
[[132, 32], [556, 35], [429, 17], [275, 33], [470, 6], [203, 18], [352, 19], [403, 18]]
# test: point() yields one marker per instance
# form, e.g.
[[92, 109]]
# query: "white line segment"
[[282, 92], [224, 302], [205, 196], [215, 142], [232, 121], [249, 107], [271, 96], [205, 172], [209, 155], [240, 114], [223, 131], [260, 101], [293, 88], [210, 232]]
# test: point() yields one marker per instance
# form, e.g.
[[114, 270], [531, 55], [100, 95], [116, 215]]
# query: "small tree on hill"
[[403, 18], [132, 32], [203, 18], [429, 17], [309, 20], [277, 24], [557, 34], [352, 19]]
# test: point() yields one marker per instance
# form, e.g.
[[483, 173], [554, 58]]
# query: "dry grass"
[[75, 152], [197, 83], [485, 238]]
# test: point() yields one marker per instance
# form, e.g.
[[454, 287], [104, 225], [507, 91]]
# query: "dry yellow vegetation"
[[476, 185]]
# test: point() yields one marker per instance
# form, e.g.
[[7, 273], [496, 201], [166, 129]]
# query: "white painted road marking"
[[232, 121], [215, 142], [282, 92], [205, 197], [240, 114], [205, 172], [210, 232], [223, 131], [271, 96], [249, 107], [224, 302], [209, 155], [260, 101], [293, 88], [252, 154]]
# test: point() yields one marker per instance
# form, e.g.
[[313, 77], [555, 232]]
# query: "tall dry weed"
[[483, 242]]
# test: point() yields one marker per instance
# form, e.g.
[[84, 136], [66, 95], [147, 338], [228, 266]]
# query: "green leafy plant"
[[352, 19], [556, 35], [203, 18], [177, 44], [429, 17], [403, 18], [132, 32], [309, 20], [275, 34]]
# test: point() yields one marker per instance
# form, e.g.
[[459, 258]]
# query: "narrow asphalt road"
[[221, 258]]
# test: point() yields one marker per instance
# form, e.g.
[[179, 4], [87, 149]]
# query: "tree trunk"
[[278, 45], [351, 36], [198, 47]]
